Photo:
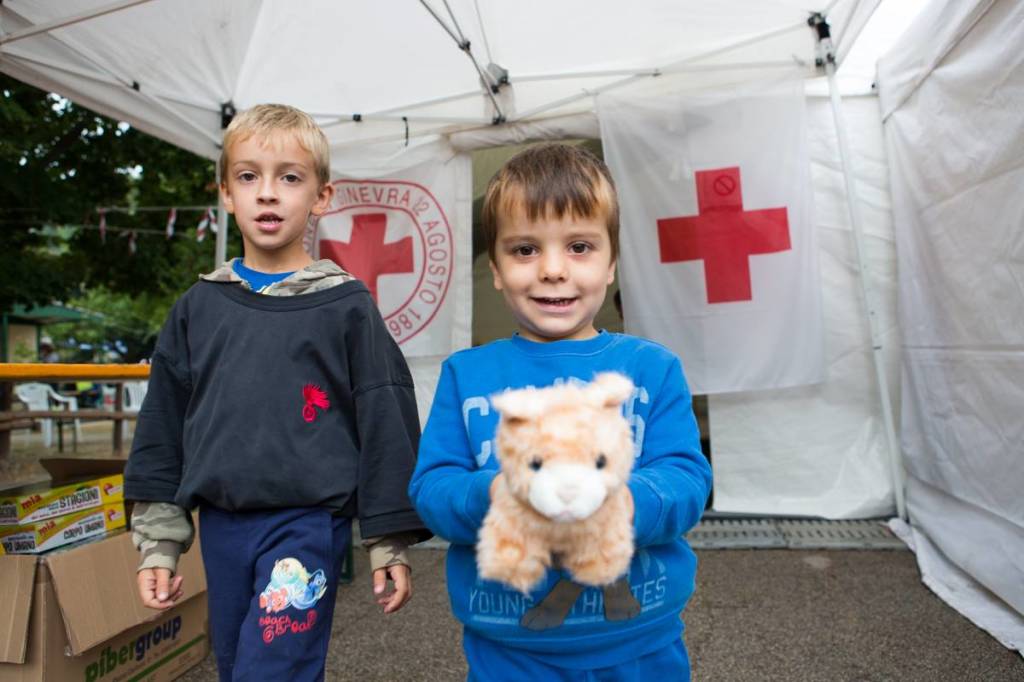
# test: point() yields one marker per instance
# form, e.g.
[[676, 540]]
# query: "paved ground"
[[757, 615], [22, 465]]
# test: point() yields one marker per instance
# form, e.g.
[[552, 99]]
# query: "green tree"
[[60, 162], [132, 321]]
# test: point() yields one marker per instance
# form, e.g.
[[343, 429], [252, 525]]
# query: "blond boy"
[[281, 408]]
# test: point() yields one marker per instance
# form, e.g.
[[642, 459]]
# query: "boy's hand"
[[494, 485], [158, 589], [401, 576]]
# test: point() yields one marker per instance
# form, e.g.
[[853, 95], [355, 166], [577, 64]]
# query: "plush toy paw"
[[619, 602], [552, 610], [522, 575], [597, 574]]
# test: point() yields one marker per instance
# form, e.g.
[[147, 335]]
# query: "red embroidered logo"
[[314, 397]]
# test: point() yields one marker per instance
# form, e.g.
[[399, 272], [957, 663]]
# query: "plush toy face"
[[564, 449]]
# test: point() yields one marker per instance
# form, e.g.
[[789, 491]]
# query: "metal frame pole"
[[220, 251], [827, 57], [64, 22]]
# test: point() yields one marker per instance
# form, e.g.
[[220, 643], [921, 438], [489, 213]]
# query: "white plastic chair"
[[134, 394], [37, 396], [108, 395]]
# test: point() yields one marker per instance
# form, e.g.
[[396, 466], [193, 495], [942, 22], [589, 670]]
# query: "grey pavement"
[[857, 615], [757, 614]]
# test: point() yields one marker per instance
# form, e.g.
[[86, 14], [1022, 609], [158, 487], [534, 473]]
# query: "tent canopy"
[[402, 68], [486, 72]]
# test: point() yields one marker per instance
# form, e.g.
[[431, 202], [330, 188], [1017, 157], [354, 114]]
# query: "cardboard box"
[[42, 536], [74, 614], [75, 484]]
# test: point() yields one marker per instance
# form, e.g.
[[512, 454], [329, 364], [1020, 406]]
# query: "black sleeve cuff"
[[398, 522]]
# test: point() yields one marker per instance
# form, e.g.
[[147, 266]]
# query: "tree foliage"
[[120, 325], [60, 162]]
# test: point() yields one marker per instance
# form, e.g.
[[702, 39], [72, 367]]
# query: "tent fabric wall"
[[951, 96], [375, 161], [821, 450]]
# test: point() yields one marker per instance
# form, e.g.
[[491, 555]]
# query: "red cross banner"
[[401, 234], [718, 259]]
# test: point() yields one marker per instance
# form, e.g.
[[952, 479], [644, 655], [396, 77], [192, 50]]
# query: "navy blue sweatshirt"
[[261, 402]]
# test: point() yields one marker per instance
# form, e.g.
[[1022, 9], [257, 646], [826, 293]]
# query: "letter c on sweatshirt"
[[480, 404]]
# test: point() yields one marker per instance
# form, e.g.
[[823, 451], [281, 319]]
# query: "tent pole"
[[64, 22], [867, 293], [220, 251], [490, 87]]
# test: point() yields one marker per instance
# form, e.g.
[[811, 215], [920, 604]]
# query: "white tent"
[[428, 78], [170, 65], [951, 98], [393, 81]]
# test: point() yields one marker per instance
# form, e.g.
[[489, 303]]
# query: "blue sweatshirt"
[[670, 483]]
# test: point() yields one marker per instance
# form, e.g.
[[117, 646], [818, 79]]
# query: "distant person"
[[89, 394], [280, 406], [47, 351], [550, 218], [48, 354]]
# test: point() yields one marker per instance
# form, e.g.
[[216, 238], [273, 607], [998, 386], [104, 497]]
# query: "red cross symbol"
[[366, 255], [723, 235]]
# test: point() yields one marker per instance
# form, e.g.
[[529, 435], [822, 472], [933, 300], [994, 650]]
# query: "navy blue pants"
[[271, 581], [489, 660]]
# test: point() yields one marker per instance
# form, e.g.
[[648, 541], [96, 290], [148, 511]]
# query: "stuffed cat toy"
[[565, 453]]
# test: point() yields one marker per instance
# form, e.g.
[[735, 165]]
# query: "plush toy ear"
[[610, 389], [518, 405]]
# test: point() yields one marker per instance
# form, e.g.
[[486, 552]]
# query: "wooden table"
[[17, 372]]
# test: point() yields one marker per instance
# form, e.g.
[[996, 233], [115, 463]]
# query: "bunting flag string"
[[132, 210], [207, 221], [131, 233], [118, 229], [172, 216]]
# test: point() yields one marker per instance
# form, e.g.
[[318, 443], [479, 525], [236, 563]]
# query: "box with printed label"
[[75, 485], [42, 536], [74, 614]]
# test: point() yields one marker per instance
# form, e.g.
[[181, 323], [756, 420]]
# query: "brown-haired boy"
[[551, 220], [280, 406]]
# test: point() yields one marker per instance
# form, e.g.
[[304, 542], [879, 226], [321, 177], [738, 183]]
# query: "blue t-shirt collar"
[[594, 344], [257, 280]]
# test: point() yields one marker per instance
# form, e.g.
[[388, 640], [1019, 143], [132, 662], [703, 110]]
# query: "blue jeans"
[[271, 581]]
